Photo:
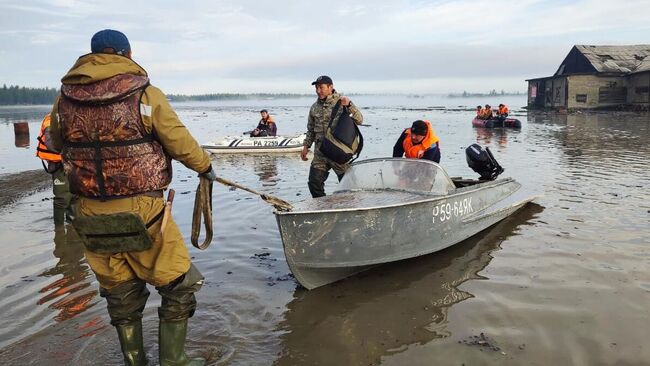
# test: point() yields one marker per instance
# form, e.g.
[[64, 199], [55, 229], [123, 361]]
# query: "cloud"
[[370, 43]]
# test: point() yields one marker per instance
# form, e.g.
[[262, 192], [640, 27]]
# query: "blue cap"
[[323, 79], [109, 38]]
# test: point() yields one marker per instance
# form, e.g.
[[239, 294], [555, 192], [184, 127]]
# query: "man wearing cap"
[[117, 135], [418, 142], [319, 118]]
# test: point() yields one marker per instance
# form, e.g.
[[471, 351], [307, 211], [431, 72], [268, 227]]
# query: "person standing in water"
[[51, 160], [320, 115], [118, 135]]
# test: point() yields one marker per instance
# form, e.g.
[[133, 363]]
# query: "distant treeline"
[[231, 96], [491, 93], [13, 95]]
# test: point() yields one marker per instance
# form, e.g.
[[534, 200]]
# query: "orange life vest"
[[416, 151], [108, 152], [42, 151], [487, 113], [503, 110]]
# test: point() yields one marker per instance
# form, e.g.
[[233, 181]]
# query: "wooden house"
[[595, 77]]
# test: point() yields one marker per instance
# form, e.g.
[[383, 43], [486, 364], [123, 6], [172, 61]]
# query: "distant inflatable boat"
[[245, 144], [496, 123]]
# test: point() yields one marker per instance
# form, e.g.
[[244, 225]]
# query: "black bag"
[[342, 139], [483, 162]]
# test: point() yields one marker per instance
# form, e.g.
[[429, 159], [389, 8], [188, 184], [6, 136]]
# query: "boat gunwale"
[[431, 197]]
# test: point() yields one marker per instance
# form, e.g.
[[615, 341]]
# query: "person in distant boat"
[[320, 115], [418, 142], [502, 113], [479, 111], [266, 127], [487, 112]]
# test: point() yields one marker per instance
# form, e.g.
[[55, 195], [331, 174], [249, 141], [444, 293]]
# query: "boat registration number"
[[446, 211], [265, 143]]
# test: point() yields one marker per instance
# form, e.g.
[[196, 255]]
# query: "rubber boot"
[[130, 336], [171, 340]]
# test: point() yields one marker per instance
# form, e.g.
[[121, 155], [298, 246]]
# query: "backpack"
[[342, 139]]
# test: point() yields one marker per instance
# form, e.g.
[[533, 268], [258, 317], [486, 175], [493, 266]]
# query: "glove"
[[209, 174]]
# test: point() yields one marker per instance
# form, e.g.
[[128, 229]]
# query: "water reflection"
[[484, 136], [381, 312], [70, 294], [264, 166]]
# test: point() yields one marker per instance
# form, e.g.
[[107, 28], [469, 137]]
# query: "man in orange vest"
[[502, 113], [266, 126], [62, 203], [418, 142]]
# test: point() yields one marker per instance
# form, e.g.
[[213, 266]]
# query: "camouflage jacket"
[[320, 115]]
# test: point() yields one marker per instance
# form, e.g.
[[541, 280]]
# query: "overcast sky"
[[379, 46]]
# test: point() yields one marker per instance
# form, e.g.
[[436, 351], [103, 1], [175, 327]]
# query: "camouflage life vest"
[[107, 151]]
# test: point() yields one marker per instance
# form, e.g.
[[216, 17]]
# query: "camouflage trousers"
[[319, 171], [62, 203]]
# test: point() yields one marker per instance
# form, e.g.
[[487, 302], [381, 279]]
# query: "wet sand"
[[15, 186], [564, 281]]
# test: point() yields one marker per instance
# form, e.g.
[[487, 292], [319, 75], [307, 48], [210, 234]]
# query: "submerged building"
[[596, 77]]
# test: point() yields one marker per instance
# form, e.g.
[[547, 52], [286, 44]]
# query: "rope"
[[202, 207], [279, 204]]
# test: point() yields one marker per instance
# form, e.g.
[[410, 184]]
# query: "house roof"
[[617, 59]]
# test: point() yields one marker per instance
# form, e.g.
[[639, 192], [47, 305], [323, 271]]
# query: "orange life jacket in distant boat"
[[487, 113], [42, 150], [416, 151], [503, 110]]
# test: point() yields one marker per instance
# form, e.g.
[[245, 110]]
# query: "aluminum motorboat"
[[246, 144], [385, 210]]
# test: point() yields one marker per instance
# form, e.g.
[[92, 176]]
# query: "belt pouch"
[[115, 233]]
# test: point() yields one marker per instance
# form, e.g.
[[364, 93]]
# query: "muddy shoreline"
[[14, 186]]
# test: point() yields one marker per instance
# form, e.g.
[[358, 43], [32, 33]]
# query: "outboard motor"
[[483, 162]]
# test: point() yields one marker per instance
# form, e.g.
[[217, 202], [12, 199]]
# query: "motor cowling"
[[483, 162]]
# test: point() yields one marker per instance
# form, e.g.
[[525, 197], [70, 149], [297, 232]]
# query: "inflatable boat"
[[245, 144], [496, 122]]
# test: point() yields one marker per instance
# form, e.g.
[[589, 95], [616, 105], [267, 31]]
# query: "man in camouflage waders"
[[51, 160], [117, 135], [319, 118]]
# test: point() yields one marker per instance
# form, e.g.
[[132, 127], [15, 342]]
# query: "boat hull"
[[325, 246], [263, 145], [496, 123]]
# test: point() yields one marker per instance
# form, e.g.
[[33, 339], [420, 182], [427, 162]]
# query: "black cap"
[[419, 128], [264, 110], [109, 38], [323, 79]]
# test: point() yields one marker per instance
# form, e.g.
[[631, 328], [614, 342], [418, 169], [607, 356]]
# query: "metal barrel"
[[21, 133]]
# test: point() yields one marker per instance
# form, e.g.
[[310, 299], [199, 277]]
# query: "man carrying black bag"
[[320, 116]]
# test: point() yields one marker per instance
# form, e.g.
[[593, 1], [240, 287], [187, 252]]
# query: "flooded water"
[[565, 280]]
